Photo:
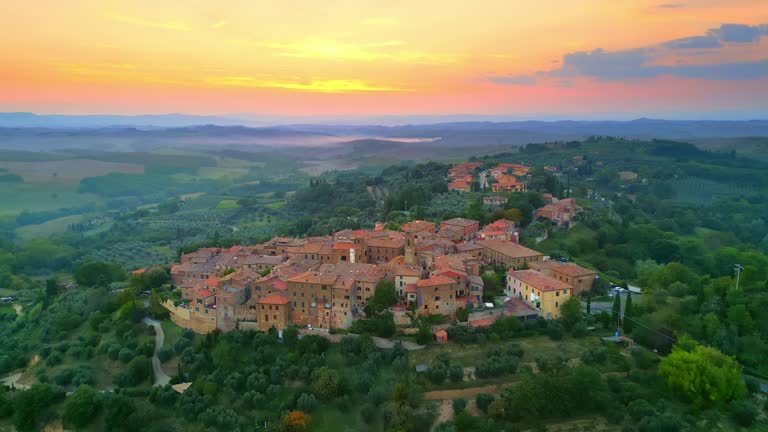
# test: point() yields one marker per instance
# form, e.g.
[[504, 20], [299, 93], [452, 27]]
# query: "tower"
[[410, 249]]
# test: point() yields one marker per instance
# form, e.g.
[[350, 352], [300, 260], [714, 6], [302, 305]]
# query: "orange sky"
[[378, 57]]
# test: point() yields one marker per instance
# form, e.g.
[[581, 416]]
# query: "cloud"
[[512, 79], [709, 41], [317, 86], [739, 33], [671, 5], [330, 49], [165, 25], [648, 62]]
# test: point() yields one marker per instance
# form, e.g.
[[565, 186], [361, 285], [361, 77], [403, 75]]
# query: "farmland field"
[[67, 170], [46, 229], [15, 197]]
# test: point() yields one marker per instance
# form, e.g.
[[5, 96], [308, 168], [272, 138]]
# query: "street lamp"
[[738, 268]]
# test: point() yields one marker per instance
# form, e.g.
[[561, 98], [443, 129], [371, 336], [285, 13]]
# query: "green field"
[[42, 196], [228, 204], [46, 229]]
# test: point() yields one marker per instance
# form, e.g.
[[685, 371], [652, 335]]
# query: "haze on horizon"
[[688, 59]]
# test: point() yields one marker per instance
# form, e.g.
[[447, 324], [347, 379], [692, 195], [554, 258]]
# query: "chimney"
[[352, 255]]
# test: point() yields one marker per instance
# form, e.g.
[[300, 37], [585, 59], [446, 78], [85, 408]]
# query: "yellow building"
[[543, 292]]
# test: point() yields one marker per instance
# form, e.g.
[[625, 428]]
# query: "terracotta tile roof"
[[507, 248], [204, 293], [539, 280], [410, 288], [274, 299], [314, 278], [435, 281], [441, 334], [568, 269], [418, 226], [386, 243], [345, 245], [212, 281], [460, 222], [483, 322]]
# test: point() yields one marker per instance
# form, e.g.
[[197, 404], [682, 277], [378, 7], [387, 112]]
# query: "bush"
[[555, 331], [638, 409], [483, 401], [459, 405], [165, 354], [456, 373], [744, 413], [579, 330], [125, 355], [307, 402]]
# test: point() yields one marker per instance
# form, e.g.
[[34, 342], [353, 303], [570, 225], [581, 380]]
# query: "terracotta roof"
[[452, 274], [386, 243], [345, 245], [410, 288], [483, 322], [274, 299], [204, 293], [460, 222], [418, 226], [539, 280], [212, 281], [441, 333], [314, 278], [139, 271], [517, 307], [435, 281], [568, 269], [507, 248]]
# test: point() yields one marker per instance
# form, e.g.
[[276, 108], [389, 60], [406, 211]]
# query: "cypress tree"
[[616, 309], [628, 324], [589, 304]]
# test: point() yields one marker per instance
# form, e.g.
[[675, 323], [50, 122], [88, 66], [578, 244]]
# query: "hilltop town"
[[326, 282]]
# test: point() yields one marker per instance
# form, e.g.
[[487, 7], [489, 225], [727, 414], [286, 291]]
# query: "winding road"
[[161, 378]]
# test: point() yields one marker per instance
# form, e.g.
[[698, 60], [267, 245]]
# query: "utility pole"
[[738, 268]]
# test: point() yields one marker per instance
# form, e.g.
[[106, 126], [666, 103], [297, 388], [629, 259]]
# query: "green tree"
[[703, 375], [571, 311], [589, 304], [31, 405], [628, 323], [80, 407], [325, 383], [616, 309], [382, 299]]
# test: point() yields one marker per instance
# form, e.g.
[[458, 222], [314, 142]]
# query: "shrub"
[[307, 402], [579, 330], [165, 354], [639, 408], [125, 355], [744, 413], [483, 401], [555, 331], [456, 373], [459, 405]]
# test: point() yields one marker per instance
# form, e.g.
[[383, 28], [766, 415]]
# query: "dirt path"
[[161, 378], [379, 342], [467, 393], [444, 413]]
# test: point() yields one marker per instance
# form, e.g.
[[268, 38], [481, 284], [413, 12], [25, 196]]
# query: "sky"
[[568, 58]]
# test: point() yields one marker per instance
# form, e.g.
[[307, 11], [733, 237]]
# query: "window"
[[437, 298], [197, 309], [324, 287], [294, 304], [262, 307], [274, 317], [266, 317], [557, 304], [557, 294]]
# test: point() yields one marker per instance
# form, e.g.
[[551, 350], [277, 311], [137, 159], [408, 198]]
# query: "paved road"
[[161, 378]]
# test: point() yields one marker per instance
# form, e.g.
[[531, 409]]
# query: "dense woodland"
[[677, 232]]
